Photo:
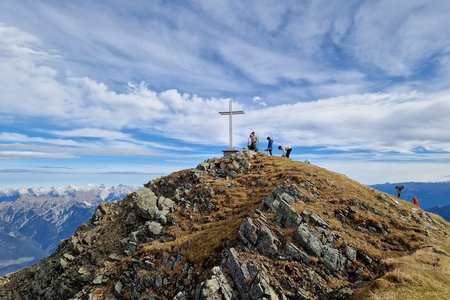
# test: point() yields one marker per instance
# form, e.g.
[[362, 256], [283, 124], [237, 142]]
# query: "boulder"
[[308, 240], [85, 274], [290, 250], [261, 289], [118, 287], [350, 253], [155, 228], [145, 203], [217, 287], [248, 231], [267, 242]]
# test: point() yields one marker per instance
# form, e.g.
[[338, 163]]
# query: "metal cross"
[[231, 113]]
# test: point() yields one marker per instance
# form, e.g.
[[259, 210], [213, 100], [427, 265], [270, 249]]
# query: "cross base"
[[230, 151]]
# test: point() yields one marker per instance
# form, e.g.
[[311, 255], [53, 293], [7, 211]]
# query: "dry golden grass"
[[425, 274], [201, 236], [401, 241]]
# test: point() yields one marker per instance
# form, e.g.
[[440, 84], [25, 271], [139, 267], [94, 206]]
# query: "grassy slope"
[[424, 274], [402, 242], [201, 237]]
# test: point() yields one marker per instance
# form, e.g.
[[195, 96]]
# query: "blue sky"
[[123, 91]]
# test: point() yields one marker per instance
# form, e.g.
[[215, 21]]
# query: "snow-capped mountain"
[[34, 220], [101, 191]]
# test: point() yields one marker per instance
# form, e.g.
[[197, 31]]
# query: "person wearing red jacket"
[[415, 201]]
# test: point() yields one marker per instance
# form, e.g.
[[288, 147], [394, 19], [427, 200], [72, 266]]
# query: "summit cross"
[[230, 113]]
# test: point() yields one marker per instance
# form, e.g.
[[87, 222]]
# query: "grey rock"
[[68, 257], [359, 273], [180, 296], [118, 287], [333, 260], [257, 291], [85, 274], [204, 166], [165, 258], [232, 173], [166, 281], [161, 218], [165, 203], [319, 221], [63, 263], [211, 289], [134, 236], [130, 247], [366, 258], [217, 287], [115, 257], [155, 228], [308, 240], [158, 281], [286, 197], [292, 251], [247, 231], [267, 242], [101, 210], [145, 203], [306, 213], [350, 253], [431, 227], [261, 289], [285, 214], [98, 279], [239, 275]]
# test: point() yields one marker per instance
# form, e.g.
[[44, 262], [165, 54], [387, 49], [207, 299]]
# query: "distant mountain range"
[[443, 211], [34, 220], [100, 192]]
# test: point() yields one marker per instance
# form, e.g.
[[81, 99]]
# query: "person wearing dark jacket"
[[399, 189], [269, 145]]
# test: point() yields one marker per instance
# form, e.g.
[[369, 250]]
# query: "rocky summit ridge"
[[245, 227]]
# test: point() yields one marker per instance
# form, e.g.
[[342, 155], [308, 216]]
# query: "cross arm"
[[236, 112]]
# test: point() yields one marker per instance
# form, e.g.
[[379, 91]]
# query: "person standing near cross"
[[253, 142]]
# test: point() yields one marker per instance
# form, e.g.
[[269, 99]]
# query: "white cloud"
[[15, 137], [31, 154], [374, 122], [90, 132], [378, 122], [259, 101], [399, 37]]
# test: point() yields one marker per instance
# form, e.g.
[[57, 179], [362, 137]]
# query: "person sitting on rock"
[[286, 150]]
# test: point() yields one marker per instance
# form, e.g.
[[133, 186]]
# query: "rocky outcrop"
[[234, 228]]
